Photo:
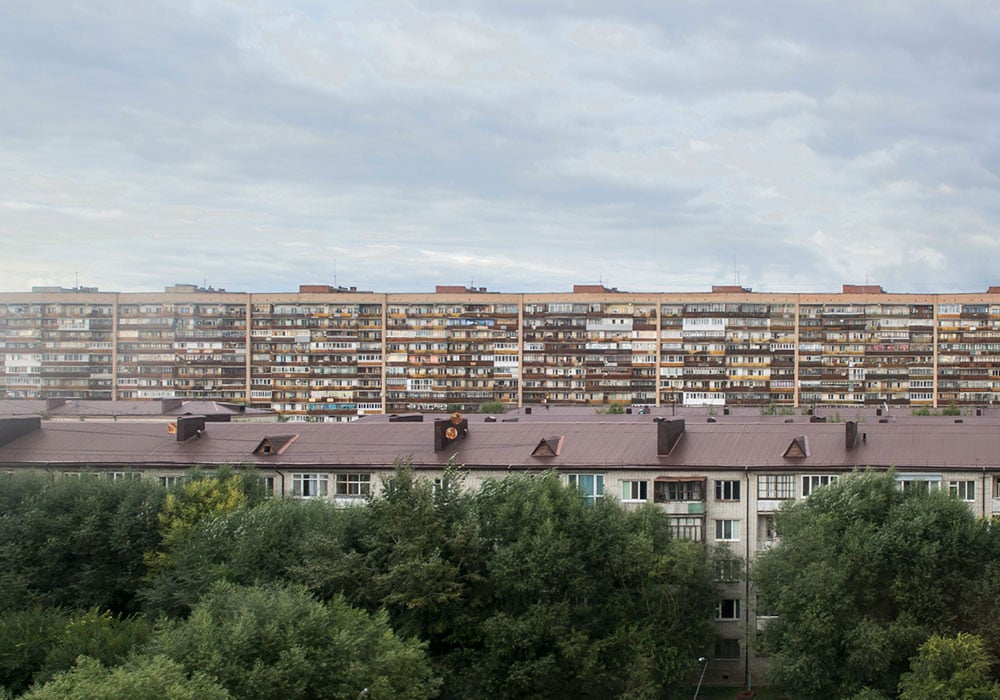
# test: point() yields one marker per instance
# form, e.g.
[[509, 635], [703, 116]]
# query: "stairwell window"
[[727, 530]]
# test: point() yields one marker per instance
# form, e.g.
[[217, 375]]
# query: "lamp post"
[[701, 660]]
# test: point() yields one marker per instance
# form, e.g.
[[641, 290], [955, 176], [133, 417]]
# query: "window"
[[728, 609], [266, 484], [309, 485], [965, 490], [686, 528], [918, 482], [590, 485], [169, 482], [727, 490], [771, 486], [353, 484], [727, 648], [634, 490], [123, 476], [727, 530], [811, 483], [664, 491], [728, 568]]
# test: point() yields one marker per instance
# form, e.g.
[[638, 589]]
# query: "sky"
[[521, 146]]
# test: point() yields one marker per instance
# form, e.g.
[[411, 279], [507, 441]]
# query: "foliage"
[[197, 499], [266, 543], [25, 639], [950, 668], [492, 407], [611, 409], [864, 574], [38, 642], [274, 643], [141, 679], [75, 542], [95, 634]]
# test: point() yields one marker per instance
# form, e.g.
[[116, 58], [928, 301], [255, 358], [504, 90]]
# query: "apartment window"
[[727, 530], [728, 609], [124, 476], [591, 486], [309, 485], [772, 486], [664, 491], [687, 528], [812, 482], [728, 569], [918, 483], [168, 482], [266, 483], [358, 484], [634, 490], [727, 490], [726, 648], [965, 490]]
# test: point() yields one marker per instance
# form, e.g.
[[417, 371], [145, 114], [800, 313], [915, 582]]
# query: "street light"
[[701, 660]]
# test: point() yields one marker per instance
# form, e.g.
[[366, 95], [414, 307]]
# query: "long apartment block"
[[339, 352]]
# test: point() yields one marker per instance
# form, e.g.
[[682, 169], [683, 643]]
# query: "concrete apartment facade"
[[332, 353], [720, 482]]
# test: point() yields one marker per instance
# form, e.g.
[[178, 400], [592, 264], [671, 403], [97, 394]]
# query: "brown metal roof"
[[705, 446]]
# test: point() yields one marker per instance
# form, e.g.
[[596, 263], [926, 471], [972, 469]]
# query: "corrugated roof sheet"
[[586, 444]]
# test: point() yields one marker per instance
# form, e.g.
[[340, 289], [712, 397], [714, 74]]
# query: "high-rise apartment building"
[[328, 351]]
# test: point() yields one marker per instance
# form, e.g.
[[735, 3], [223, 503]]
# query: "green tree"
[[25, 639], [492, 407], [950, 668], [76, 542], [585, 600], [272, 643], [863, 575], [156, 678], [275, 541], [199, 498]]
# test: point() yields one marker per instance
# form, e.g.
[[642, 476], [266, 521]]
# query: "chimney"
[[13, 428], [168, 405], [852, 435], [668, 434], [189, 427], [448, 431], [54, 403]]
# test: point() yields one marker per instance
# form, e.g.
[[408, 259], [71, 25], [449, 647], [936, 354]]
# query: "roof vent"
[[548, 447], [274, 444], [798, 448]]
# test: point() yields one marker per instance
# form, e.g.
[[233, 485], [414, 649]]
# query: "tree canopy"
[[864, 574]]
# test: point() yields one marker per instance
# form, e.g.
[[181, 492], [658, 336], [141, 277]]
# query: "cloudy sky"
[[517, 145]]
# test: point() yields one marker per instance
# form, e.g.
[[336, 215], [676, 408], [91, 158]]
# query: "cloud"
[[526, 146]]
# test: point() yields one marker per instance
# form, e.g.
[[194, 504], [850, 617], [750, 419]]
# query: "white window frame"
[[775, 487], [635, 491], [310, 485], [963, 489], [685, 527], [727, 530], [728, 609], [727, 490], [353, 485], [596, 489], [811, 482]]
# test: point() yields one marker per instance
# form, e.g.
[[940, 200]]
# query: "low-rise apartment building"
[[719, 481]]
